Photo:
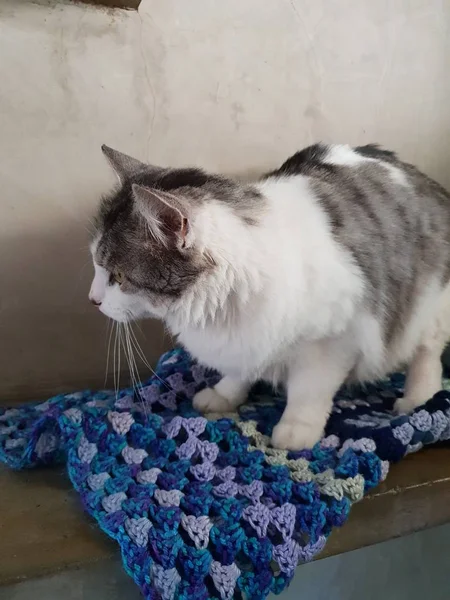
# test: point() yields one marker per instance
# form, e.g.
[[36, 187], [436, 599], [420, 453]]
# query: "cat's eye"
[[118, 277]]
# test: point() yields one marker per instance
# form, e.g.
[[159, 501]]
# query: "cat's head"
[[156, 236]]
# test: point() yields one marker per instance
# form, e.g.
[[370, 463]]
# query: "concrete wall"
[[233, 86]]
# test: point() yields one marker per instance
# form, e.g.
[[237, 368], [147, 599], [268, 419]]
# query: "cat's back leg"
[[424, 376]]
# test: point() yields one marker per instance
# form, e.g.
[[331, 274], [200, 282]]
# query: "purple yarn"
[[259, 517], [199, 513]]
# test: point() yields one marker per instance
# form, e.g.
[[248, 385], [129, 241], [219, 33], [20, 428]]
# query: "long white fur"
[[285, 303]]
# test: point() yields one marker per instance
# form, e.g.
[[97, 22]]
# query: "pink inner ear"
[[172, 220], [184, 228], [164, 213], [175, 222]]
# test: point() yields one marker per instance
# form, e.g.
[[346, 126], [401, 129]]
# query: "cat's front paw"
[[406, 405], [293, 435], [209, 401]]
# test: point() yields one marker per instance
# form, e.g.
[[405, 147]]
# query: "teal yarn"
[[206, 509]]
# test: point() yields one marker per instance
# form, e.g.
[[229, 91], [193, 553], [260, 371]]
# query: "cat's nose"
[[94, 301]]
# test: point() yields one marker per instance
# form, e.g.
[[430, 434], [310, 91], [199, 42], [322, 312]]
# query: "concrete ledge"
[[44, 530]]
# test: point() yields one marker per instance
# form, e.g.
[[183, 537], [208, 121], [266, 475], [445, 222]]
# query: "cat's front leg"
[[224, 397], [312, 383]]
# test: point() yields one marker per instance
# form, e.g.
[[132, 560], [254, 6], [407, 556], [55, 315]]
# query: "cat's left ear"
[[168, 215], [123, 165]]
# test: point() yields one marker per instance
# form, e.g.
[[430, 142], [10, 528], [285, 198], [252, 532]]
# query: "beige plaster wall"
[[234, 86]]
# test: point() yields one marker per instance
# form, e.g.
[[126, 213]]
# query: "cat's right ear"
[[124, 166], [168, 215]]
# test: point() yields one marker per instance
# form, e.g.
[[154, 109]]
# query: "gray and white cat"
[[333, 268]]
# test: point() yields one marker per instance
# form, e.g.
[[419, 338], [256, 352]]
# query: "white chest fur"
[[309, 294]]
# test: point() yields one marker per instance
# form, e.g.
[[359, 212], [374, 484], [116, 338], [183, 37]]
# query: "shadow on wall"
[[52, 339]]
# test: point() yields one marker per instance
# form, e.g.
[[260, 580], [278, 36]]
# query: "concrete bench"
[[43, 529]]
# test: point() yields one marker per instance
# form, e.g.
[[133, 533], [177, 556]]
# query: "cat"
[[331, 269]]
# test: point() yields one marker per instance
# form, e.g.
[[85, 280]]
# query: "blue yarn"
[[207, 510]]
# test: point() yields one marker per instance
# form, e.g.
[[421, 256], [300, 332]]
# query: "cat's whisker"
[[139, 349], [134, 367], [138, 326], [110, 327], [114, 355], [141, 355], [119, 326], [131, 362], [133, 356], [128, 356], [137, 383], [116, 361], [126, 349], [91, 228], [136, 346]]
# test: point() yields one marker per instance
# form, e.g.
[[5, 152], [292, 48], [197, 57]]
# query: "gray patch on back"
[[398, 235]]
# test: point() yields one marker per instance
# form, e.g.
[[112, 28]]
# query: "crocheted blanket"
[[205, 508]]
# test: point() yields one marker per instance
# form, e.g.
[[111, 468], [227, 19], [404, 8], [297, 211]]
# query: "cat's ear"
[[124, 166], [168, 215]]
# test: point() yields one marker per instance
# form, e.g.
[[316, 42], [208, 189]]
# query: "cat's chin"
[[129, 317], [118, 318], [123, 316]]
